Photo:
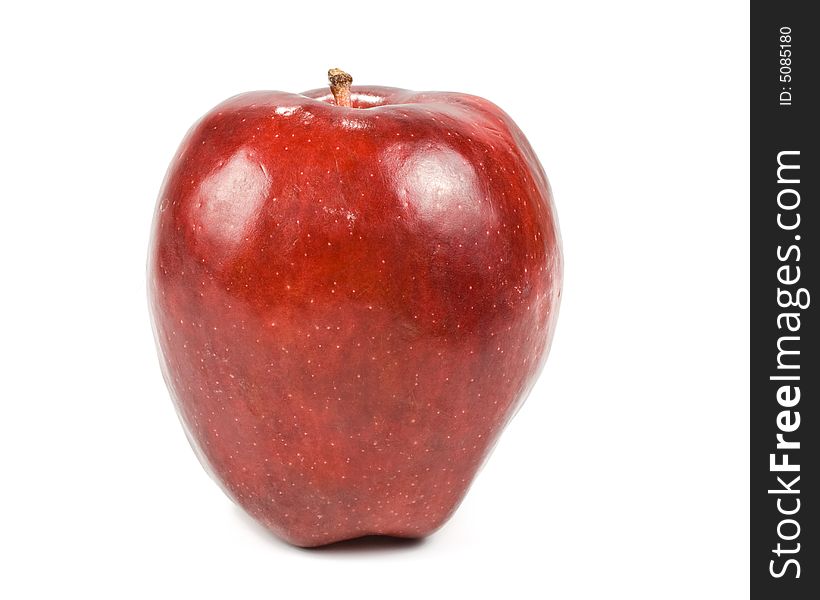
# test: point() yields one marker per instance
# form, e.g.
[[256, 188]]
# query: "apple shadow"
[[369, 544]]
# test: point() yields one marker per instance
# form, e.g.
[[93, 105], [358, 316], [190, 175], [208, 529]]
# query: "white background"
[[625, 474]]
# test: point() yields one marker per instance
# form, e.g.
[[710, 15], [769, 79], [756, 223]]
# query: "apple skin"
[[350, 303]]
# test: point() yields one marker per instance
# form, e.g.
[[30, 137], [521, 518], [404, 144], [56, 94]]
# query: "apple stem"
[[340, 86]]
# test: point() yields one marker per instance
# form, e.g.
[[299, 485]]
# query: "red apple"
[[352, 293]]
